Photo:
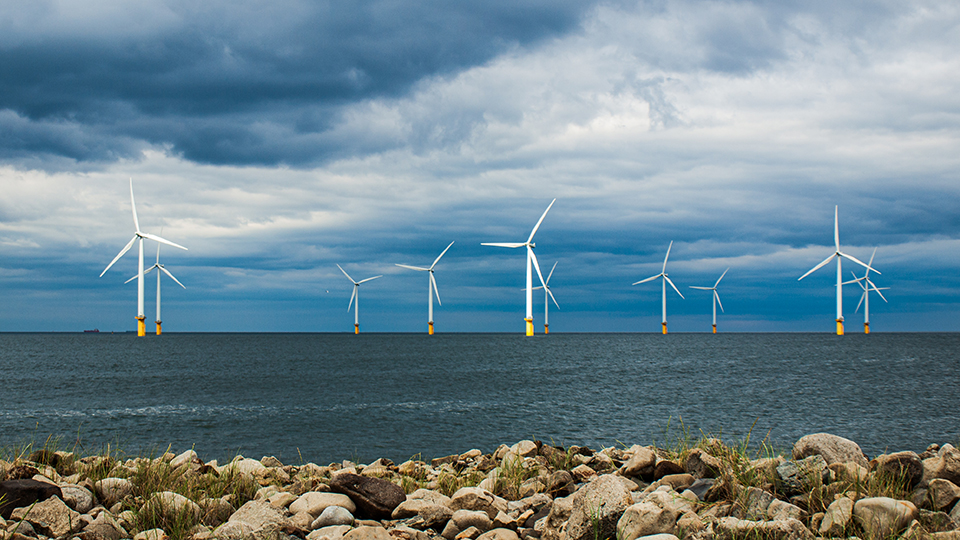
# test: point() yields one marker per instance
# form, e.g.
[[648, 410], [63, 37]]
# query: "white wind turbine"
[[138, 235], [431, 287], [531, 262], [716, 298], [160, 268], [356, 296], [663, 274], [547, 296], [839, 255], [867, 285]]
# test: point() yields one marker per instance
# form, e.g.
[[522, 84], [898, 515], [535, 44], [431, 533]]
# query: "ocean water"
[[329, 397]]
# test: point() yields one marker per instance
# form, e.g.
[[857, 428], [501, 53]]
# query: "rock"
[[470, 533], [182, 459], [215, 512], [151, 534], [597, 507], [168, 507], [430, 495], [79, 498], [728, 528], [524, 449], [374, 497], [499, 534], [701, 464], [24, 492], [936, 521], [641, 463], [753, 504], [646, 518], [837, 518], [110, 491], [50, 516], [780, 510], [282, 499], [104, 528], [882, 517], [560, 484], [803, 475], [701, 486], [583, 473], [408, 533], [666, 468], [906, 465], [945, 465], [504, 521], [335, 532], [464, 519], [850, 472], [333, 515], [474, 498], [243, 466], [256, 518], [834, 449], [315, 502], [943, 494], [367, 533], [659, 537], [411, 507]]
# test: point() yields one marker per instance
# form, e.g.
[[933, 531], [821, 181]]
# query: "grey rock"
[[882, 517], [110, 491], [905, 465], [802, 475], [51, 517], [374, 497], [24, 492], [77, 497], [834, 449], [315, 502], [334, 532], [701, 486], [597, 507], [333, 515], [837, 517]]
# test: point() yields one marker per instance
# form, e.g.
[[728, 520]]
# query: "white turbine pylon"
[[355, 296], [138, 234], [547, 296], [867, 285], [531, 262], [716, 298], [839, 255], [663, 274], [160, 269], [431, 288]]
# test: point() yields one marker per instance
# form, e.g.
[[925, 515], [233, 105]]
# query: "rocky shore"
[[825, 488]]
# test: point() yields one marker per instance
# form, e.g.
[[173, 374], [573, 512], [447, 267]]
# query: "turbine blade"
[[158, 247], [880, 293], [861, 263], [413, 267], [552, 298], [550, 275], [537, 226], [133, 205], [874, 254], [503, 244], [352, 295], [435, 261], [836, 226], [125, 249], [368, 279], [862, 296], [672, 285], [156, 238], [131, 279], [667, 257], [348, 277], [702, 288], [721, 277], [651, 278], [719, 303], [817, 267], [536, 265], [167, 272], [436, 291]]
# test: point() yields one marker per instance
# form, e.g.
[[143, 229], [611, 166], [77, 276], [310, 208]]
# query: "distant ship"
[[94, 331]]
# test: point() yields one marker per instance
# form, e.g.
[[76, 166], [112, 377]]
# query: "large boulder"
[[374, 497], [110, 491], [641, 463], [837, 518], [647, 517], [24, 492], [168, 507], [475, 498], [899, 465], [943, 494], [79, 498], [883, 517], [834, 449], [254, 520], [51, 517], [315, 502], [597, 508]]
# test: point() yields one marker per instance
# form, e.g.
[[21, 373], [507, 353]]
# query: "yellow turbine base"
[[158, 328], [529, 326], [714, 329], [141, 326], [664, 328], [430, 329], [866, 328], [356, 329], [839, 327], [546, 329]]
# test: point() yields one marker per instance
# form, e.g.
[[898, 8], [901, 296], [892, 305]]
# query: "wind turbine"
[[356, 295], [547, 296], [867, 286], [139, 235], [716, 298], [839, 255], [663, 274], [431, 288], [531, 262], [160, 269]]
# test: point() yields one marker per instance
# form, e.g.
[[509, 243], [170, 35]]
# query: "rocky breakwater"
[[824, 488]]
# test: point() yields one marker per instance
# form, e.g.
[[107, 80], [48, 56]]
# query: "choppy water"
[[327, 397]]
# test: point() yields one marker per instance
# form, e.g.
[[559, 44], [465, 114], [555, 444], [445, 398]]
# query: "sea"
[[326, 398]]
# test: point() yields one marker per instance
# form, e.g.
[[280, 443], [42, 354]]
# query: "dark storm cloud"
[[225, 79]]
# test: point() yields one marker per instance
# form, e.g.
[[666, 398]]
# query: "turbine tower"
[[355, 295], [867, 285], [160, 269], [839, 255], [531, 263], [663, 274], [138, 235], [547, 296], [716, 298], [431, 288]]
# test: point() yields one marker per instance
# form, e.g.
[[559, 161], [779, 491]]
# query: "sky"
[[278, 139]]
